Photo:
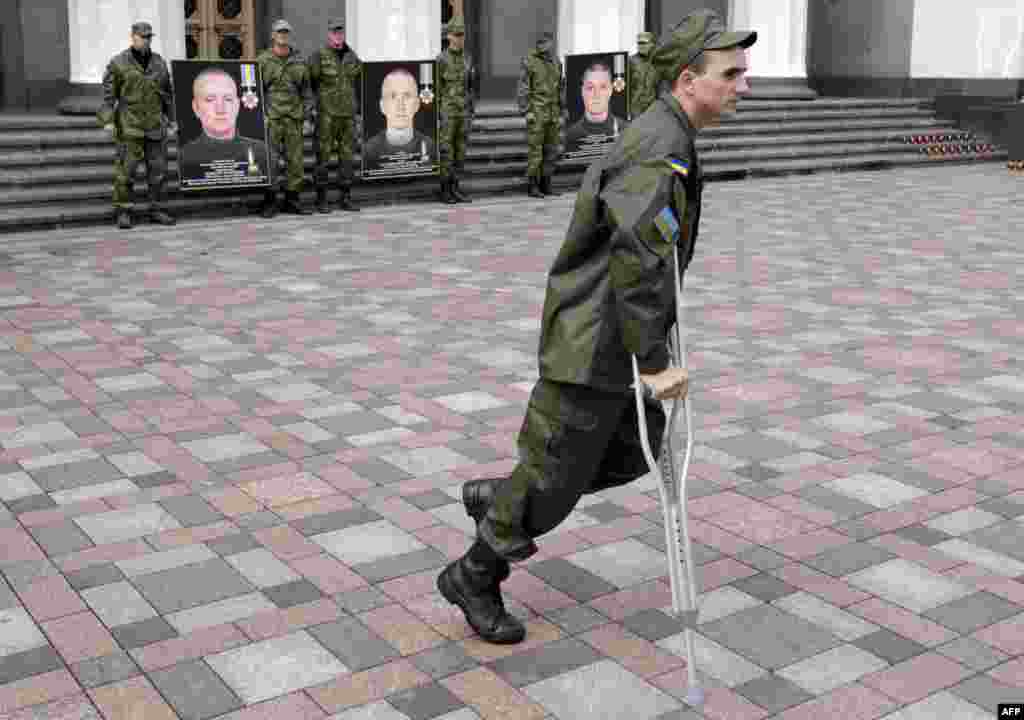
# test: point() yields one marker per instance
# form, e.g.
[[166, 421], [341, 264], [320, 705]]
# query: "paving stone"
[[553, 659], [233, 544], [973, 612], [401, 565], [922, 535], [95, 672], [30, 503], [143, 632], [579, 584], [849, 559], [28, 663], [889, 646], [186, 587], [985, 693], [353, 643], [973, 654], [764, 587], [443, 660], [361, 600], [336, 520], [194, 691], [773, 693], [652, 625], [576, 619], [769, 637], [60, 538], [190, 510], [425, 702], [293, 593]]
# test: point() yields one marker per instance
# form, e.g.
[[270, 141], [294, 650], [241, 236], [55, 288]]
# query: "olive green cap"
[[645, 37], [336, 23], [456, 26], [699, 31], [142, 28], [281, 26]]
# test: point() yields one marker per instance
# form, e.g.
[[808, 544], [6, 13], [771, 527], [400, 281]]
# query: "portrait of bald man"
[[399, 141], [598, 125], [216, 104]]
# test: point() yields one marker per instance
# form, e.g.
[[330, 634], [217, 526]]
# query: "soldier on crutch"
[[610, 297]]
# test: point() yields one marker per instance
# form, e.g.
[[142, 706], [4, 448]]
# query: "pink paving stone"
[[801, 508], [221, 405], [404, 514], [908, 550], [287, 489], [407, 632], [16, 545], [761, 524], [272, 623], [949, 500], [441, 615], [343, 478], [648, 596], [232, 502], [798, 480], [534, 593], [264, 472], [147, 496], [717, 538], [169, 427], [327, 573], [887, 520], [72, 707], [127, 422], [50, 597], [63, 513], [286, 542], [159, 447], [973, 460], [258, 427], [208, 641], [638, 503], [36, 690], [329, 503], [942, 471], [435, 411], [721, 572], [297, 706], [441, 437], [721, 502], [1010, 674], [79, 637], [832, 590], [187, 468], [810, 543], [914, 679], [412, 586], [561, 544], [1007, 635], [192, 535], [448, 540], [134, 699], [353, 455], [902, 622], [615, 530], [852, 702], [111, 552]]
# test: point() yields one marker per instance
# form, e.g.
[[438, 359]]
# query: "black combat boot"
[[471, 582], [457, 191], [269, 209], [345, 200], [477, 496], [546, 187], [321, 201], [156, 212], [533, 188], [124, 219], [293, 204], [446, 192]]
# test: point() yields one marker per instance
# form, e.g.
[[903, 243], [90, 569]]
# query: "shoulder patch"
[[667, 224], [679, 167]]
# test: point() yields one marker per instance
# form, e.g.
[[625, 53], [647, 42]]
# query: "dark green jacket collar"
[[677, 110]]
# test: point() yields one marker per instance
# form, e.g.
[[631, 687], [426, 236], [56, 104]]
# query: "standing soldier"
[[334, 74], [138, 112], [289, 112], [541, 97], [457, 91], [643, 78]]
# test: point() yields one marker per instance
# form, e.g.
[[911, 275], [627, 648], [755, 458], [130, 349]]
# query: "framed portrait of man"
[[399, 119], [596, 100], [222, 136]]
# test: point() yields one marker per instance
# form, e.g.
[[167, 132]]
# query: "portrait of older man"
[[399, 140], [599, 124], [215, 102]]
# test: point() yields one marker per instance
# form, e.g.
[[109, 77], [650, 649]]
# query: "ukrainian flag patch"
[[679, 167], [667, 224]]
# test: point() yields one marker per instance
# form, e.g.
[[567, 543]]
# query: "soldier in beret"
[[610, 297]]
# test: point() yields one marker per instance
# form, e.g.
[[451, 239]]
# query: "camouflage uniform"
[[334, 77], [541, 97], [610, 297], [457, 90], [286, 90], [139, 103], [643, 77]]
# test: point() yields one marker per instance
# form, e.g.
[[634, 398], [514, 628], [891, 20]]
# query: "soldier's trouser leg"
[[130, 152], [292, 132], [551, 143], [275, 133], [156, 167], [534, 147], [574, 440], [345, 136]]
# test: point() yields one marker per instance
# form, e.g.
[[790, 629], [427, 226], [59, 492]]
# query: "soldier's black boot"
[[533, 188], [269, 209], [124, 219], [546, 186], [293, 204], [457, 191], [471, 582], [321, 200], [345, 200], [477, 496], [446, 192]]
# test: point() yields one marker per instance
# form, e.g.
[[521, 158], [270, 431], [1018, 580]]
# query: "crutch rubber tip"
[[695, 696]]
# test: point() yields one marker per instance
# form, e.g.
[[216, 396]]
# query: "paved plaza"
[[231, 456]]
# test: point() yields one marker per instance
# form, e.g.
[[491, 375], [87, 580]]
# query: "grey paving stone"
[[378, 471], [1004, 537], [769, 637], [849, 558], [835, 452], [922, 535], [759, 489], [1002, 506], [192, 585], [430, 499], [337, 520], [906, 473], [761, 558], [75, 475], [258, 520], [195, 691], [357, 601], [425, 701], [973, 612], [359, 422], [60, 538], [84, 425], [475, 450], [443, 660], [842, 505], [233, 544], [973, 653], [576, 619], [764, 587], [857, 529], [986, 692], [579, 584], [757, 472], [396, 566], [655, 538], [606, 511], [889, 646], [21, 665], [22, 574], [353, 643], [30, 503], [293, 593], [773, 693], [153, 480], [143, 632], [652, 625], [7, 597], [554, 658], [104, 670], [190, 510], [754, 446], [94, 576], [246, 462]]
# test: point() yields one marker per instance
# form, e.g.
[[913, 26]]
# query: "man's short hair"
[[598, 66], [209, 73], [400, 72]]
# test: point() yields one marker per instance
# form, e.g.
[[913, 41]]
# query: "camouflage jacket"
[[610, 291], [643, 85], [457, 83], [136, 101], [335, 81], [285, 85], [541, 88]]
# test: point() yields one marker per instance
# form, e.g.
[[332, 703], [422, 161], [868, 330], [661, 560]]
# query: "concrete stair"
[[56, 170]]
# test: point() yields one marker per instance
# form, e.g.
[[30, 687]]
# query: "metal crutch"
[[673, 493]]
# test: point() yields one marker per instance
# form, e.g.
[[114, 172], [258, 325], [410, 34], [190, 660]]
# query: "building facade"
[[53, 52]]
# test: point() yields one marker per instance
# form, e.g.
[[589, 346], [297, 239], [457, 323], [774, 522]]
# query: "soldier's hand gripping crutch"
[[672, 486]]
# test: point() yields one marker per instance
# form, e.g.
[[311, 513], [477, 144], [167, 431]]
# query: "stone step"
[[861, 162], [501, 109]]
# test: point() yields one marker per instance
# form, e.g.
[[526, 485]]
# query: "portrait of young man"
[[399, 142]]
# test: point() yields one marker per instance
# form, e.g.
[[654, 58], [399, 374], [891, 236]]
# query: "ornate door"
[[219, 29]]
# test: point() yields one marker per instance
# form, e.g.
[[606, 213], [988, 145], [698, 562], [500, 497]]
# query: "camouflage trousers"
[[287, 134], [542, 139], [334, 136], [575, 440], [453, 136], [131, 152]]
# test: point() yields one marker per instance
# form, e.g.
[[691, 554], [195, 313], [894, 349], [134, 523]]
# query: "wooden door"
[[220, 29]]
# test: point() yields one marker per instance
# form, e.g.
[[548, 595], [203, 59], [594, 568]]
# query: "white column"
[[982, 39], [781, 25], [595, 26], [99, 29], [394, 29]]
